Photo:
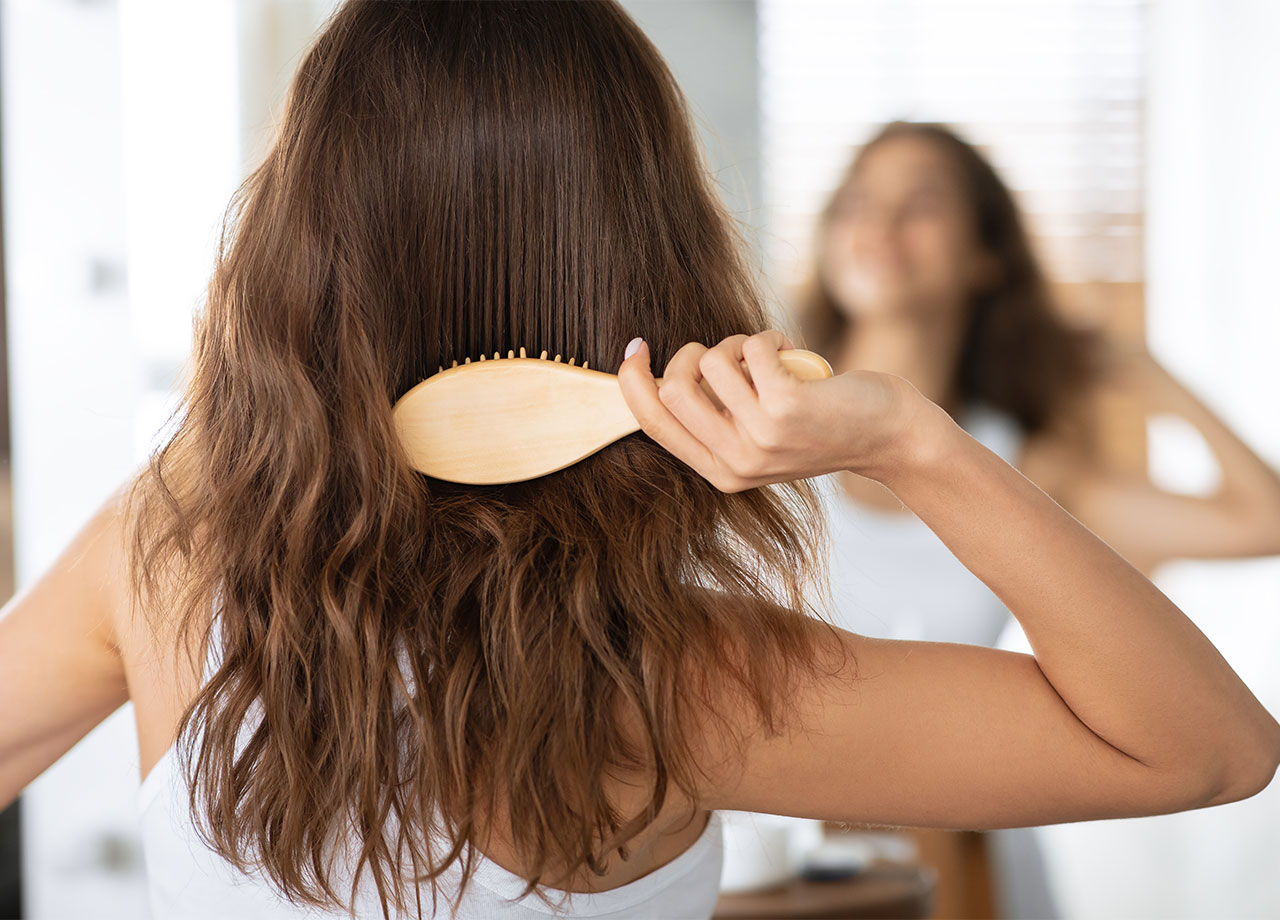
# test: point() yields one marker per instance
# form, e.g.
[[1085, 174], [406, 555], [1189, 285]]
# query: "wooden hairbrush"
[[515, 418]]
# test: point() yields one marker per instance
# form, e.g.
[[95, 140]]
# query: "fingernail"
[[632, 347]]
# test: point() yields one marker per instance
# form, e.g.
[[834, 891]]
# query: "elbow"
[[1216, 773], [1246, 774], [1265, 763], [1245, 784]]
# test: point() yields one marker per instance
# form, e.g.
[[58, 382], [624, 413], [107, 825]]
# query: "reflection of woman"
[[350, 679], [923, 269]]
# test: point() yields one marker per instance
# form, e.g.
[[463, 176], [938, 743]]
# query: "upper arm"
[[941, 735], [61, 671]]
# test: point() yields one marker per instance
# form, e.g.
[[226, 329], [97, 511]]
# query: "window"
[[1051, 90]]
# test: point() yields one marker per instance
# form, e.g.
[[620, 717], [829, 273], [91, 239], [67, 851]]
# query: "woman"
[[922, 267], [410, 689]]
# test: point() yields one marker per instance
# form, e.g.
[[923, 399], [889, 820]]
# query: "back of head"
[[451, 179]]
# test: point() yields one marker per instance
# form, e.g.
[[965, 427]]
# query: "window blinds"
[[1051, 90]]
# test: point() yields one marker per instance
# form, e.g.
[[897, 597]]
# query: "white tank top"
[[185, 879], [891, 576]]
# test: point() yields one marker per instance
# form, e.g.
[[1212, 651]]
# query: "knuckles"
[[737, 464], [770, 438], [730, 484], [674, 391], [781, 406], [761, 342], [720, 357], [747, 465]]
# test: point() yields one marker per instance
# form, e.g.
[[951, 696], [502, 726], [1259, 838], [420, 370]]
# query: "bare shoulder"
[[62, 668], [110, 533], [90, 574], [746, 696], [104, 556], [720, 691]]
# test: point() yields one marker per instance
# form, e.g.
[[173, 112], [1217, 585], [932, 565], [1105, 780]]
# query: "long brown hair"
[[1017, 353], [402, 656]]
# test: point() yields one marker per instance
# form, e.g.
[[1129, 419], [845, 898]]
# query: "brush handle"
[[513, 419]]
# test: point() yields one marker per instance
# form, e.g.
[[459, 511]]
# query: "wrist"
[[925, 438]]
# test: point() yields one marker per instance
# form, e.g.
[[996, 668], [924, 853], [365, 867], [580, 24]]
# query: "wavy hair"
[[1017, 354], [403, 657]]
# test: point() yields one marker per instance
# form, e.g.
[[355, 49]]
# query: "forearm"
[[1125, 659]]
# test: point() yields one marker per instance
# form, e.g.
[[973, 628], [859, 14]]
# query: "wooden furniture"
[[885, 890], [960, 858]]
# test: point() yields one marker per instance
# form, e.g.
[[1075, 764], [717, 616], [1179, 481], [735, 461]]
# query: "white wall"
[[1214, 319], [711, 48], [120, 151], [72, 388]]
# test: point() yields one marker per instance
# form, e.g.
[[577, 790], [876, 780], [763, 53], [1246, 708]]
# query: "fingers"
[[771, 380], [640, 390], [721, 367], [682, 392], [678, 413]]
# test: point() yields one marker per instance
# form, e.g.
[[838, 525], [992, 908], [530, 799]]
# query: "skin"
[[1125, 708], [900, 257]]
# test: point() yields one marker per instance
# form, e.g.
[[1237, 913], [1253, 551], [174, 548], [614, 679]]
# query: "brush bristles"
[[511, 353]]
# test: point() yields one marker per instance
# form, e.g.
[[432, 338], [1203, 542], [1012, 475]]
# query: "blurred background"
[[1134, 134]]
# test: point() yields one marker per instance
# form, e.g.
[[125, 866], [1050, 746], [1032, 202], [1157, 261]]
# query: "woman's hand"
[[1150, 525], [773, 427]]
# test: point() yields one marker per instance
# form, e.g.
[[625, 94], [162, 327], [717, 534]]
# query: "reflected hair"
[[402, 658], [1017, 354]]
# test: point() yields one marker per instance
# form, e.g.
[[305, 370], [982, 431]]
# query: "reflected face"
[[901, 239]]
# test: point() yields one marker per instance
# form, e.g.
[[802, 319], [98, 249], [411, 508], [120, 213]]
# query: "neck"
[[923, 349]]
